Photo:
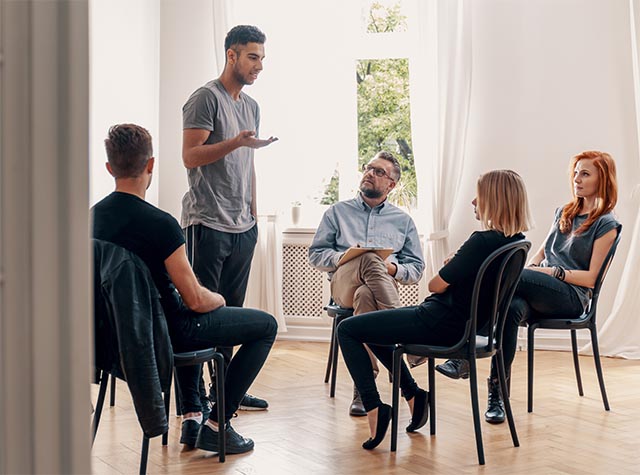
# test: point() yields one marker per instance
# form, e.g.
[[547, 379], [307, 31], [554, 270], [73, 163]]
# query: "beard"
[[242, 79], [370, 192]]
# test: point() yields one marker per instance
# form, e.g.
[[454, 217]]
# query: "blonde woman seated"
[[502, 207], [561, 275]]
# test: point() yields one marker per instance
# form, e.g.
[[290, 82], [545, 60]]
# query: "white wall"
[[124, 79], [551, 79], [187, 61]]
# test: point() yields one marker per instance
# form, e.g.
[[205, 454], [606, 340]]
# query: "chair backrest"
[[131, 332], [493, 290], [591, 313]]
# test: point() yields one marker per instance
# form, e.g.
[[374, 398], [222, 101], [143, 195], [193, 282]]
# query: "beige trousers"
[[365, 285]]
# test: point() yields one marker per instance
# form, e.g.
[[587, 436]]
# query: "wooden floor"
[[306, 432]]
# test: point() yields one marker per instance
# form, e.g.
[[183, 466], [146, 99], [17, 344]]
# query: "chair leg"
[[334, 362], [432, 396], [473, 386], [504, 391], [176, 390], [530, 350], [112, 394], [576, 363], [596, 359], [167, 405], [220, 402], [330, 357], [104, 379], [395, 401], [144, 455]]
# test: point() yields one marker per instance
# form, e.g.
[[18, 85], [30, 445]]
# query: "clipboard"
[[354, 252]]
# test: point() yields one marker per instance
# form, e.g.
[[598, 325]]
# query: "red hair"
[[607, 191]]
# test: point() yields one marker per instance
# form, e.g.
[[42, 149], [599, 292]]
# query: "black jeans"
[[428, 323], [255, 332], [222, 262], [537, 295]]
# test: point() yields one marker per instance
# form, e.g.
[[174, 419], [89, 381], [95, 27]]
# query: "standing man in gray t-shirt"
[[220, 132]]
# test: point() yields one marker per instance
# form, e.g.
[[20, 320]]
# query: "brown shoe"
[[356, 408]]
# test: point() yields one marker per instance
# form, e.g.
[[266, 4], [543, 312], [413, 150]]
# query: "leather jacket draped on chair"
[[131, 335]]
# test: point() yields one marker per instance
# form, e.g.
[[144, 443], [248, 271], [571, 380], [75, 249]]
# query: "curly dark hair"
[[129, 148]]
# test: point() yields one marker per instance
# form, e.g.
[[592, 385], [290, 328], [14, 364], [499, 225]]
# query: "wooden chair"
[[499, 273]]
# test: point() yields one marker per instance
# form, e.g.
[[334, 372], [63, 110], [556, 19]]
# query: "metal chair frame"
[[585, 321], [510, 259]]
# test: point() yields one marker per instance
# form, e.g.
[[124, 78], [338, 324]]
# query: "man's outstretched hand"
[[247, 138]]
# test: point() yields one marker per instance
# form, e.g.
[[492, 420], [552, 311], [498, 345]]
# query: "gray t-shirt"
[[573, 252], [219, 195]]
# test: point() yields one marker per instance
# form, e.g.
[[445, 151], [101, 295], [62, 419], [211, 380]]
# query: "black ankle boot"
[[495, 407], [357, 408]]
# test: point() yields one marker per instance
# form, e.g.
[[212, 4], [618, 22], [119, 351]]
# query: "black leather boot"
[[356, 408], [495, 407]]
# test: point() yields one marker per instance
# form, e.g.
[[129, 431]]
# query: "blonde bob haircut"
[[502, 202]]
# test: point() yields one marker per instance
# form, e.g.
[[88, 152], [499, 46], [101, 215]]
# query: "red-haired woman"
[[560, 276]]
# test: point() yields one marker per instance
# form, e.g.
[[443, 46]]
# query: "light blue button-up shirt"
[[352, 222]]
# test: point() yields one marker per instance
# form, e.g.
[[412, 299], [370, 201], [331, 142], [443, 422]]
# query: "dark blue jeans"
[[428, 323], [537, 295], [255, 332]]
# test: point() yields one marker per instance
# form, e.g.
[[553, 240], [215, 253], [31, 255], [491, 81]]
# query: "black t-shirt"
[[130, 222], [460, 272]]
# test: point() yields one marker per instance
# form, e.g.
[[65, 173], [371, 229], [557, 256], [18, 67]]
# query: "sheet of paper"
[[354, 252]]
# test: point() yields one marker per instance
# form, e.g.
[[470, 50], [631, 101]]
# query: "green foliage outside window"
[[383, 109]]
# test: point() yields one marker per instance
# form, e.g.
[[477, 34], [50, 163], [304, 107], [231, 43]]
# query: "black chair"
[[206, 356], [585, 321], [338, 314], [180, 359], [104, 378], [212, 378], [131, 339], [497, 279], [112, 392]]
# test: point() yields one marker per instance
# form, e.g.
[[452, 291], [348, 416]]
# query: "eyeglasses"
[[379, 172]]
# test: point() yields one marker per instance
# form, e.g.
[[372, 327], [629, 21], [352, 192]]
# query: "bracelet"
[[559, 273]]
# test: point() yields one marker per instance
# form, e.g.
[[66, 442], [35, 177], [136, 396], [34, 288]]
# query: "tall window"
[[382, 88], [335, 90]]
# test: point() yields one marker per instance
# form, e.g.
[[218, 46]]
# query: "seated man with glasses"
[[367, 283]]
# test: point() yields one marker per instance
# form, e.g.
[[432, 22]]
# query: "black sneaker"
[[252, 403], [454, 369], [235, 443], [189, 434]]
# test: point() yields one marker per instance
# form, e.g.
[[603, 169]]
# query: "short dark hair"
[[243, 34], [389, 157], [129, 148]]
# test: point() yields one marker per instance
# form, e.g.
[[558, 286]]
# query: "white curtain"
[[221, 25], [441, 88], [265, 280], [619, 335]]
